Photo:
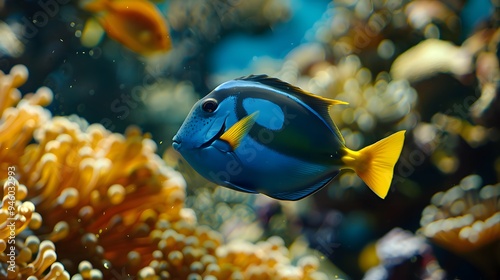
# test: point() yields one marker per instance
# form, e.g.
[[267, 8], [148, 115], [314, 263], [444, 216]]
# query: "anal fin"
[[238, 188], [296, 195]]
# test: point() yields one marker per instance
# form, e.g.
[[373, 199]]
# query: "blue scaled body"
[[257, 134]]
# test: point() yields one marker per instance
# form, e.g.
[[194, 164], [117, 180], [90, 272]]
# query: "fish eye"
[[209, 105]]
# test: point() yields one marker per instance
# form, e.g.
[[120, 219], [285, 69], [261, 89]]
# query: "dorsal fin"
[[318, 103]]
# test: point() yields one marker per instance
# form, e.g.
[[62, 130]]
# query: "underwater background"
[[91, 93]]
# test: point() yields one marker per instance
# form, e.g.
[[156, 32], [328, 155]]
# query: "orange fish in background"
[[137, 24]]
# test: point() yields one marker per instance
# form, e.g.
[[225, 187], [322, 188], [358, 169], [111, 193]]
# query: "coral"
[[466, 220], [434, 19], [207, 20], [484, 46], [396, 253], [475, 61], [372, 102], [465, 217], [430, 57], [378, 31], [107, 204], [28, 257], [96, 185], [237, 215], [201, 256], [445, 134]]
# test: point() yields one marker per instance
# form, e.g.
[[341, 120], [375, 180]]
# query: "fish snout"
[[176, 143]]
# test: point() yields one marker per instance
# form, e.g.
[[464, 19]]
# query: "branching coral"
[[109, 205]]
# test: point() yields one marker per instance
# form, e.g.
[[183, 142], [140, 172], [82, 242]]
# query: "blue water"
[[237, 50], [473, 13]]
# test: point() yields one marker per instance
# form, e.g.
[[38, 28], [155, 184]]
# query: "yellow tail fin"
[[375, 163]]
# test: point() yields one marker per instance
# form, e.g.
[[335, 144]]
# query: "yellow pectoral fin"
[[235, 134]]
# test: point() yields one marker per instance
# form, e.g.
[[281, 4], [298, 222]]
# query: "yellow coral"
[[28, 257], [14, 214], [464, 218]]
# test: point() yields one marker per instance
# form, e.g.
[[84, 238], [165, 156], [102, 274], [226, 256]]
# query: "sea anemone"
[[95, 190], [27, 257], [107, 205], [21, 254]]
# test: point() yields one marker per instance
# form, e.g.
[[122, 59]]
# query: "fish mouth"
[[216, 136], [176, 143]]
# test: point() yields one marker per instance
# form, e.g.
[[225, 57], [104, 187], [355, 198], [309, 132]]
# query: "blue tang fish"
[[258, 134]]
